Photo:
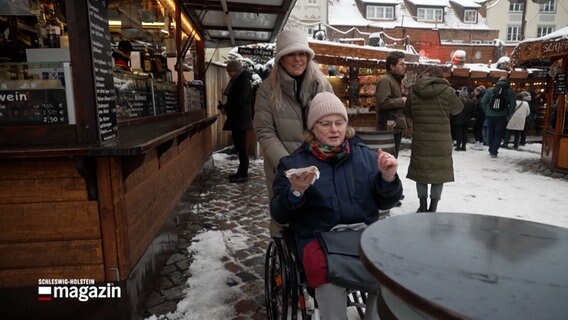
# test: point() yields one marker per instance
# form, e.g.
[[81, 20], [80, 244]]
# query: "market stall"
[[353, 71], [528, 79], [94, 155], [551, 52]]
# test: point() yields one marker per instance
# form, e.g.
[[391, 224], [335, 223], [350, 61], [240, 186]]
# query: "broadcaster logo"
[[80, 289]]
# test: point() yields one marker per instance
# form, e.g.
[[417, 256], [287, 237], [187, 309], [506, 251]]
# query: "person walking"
[[282, 102], [354, 183], [517, 121], [430, 105], [497, 103], [390, 100], [239, 118]]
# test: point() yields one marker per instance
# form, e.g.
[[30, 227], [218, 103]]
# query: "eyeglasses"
[[327, 124]]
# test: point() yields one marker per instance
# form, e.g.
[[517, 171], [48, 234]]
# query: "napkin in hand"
[[298, 172]]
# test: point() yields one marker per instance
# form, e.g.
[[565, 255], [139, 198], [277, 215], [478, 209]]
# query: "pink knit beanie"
[[324, 104]]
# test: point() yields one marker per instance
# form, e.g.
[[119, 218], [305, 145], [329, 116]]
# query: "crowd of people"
[[300, 124]]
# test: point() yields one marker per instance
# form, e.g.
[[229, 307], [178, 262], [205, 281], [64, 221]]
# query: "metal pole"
[[523, 21]]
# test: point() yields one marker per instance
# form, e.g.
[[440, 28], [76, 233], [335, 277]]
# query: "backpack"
[[499, 101]]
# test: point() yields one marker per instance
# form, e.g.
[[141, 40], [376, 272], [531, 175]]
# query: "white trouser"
[[332, 303]]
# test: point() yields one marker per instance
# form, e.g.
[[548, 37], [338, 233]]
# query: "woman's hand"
[[302, 182], [387, 165]]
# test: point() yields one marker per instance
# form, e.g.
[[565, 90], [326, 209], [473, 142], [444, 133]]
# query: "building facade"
[[310, 16], [541, 17], [485, 29]]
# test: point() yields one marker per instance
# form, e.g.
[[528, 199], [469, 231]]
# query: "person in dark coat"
[[354, 183], [121, 55], [533, 106], [430, 105], [478, 114], [239, 118], [496, 119], [461, 120]]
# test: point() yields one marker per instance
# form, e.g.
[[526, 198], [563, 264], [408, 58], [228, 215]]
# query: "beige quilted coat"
[[280, 130]]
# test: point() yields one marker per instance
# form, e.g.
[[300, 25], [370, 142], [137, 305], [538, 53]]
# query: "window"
[[476, 42], [550, 6], [430, 14], [470, 16], [513, 33], [516, 7], [312, 2], [381, 13], [311, 31], [544, 30]]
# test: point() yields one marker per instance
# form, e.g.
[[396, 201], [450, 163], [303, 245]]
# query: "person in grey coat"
[[282, 102], [430, 104]]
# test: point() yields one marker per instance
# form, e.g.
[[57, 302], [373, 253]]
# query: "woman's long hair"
[[312, 75]]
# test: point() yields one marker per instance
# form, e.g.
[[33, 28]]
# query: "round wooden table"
[[466, 266]]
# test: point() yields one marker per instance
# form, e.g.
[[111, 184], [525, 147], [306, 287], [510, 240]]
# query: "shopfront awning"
[[229, 23]]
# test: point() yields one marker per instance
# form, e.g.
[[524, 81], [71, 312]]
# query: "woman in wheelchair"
[[350, 185]]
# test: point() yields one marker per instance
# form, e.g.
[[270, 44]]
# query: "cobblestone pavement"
[[212, 203]]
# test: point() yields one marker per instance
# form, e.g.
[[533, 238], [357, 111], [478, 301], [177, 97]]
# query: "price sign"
[[33, 106], [102, 70]]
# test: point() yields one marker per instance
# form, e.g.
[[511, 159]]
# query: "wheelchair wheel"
[[280, 282]]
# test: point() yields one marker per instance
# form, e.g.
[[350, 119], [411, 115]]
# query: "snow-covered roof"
[[346, 13], [558, 34], [467, 3], [562, 33], [391, 2], [432, 3]]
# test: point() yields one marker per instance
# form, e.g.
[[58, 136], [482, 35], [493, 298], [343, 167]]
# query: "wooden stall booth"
[[354, 70], [528, 79], [551, 52], [94, 157]]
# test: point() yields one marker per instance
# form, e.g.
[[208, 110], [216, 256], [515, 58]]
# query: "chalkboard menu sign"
[[560, 83], [102, 67], [33, 106], [134, 96], [170, 97], [165, 97]]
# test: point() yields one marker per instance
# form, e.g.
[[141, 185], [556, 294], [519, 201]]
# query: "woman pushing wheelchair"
[[349, 186]]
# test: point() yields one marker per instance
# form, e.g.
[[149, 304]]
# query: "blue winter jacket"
[[348, 191]]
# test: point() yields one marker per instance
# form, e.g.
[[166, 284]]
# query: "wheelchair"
[[287, 295]]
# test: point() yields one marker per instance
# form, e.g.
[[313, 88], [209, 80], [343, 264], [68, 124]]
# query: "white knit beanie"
[[324, 104], [290, 41]]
